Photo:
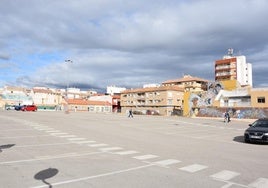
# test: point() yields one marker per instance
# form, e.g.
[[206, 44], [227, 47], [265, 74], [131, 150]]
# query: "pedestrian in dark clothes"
[[130, 114]]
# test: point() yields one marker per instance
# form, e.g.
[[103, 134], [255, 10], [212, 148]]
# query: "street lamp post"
[[67, 86]]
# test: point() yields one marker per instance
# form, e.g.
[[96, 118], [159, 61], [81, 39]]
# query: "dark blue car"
[[18, 108], [257, 132]]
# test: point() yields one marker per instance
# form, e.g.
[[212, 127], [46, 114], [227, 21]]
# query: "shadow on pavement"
[[241, 140], [6, 146], [45, 174]]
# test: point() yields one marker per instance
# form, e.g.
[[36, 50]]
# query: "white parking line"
[[259, 183], [126, 152], [193, 168], [72, 139], [84, 142], [40, 127], [50, 157], [38, 145], [167, 162], [8, 130], [225, 175], [98, 145], [145, 157], [67, 136], [96, 176], [110, 149], [44, 129], [11, 137], [56, 134], [53, 131]]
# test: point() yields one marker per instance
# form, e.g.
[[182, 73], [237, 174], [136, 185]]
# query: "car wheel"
[[246, 140]]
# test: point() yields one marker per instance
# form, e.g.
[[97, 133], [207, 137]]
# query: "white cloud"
[[128, 42]]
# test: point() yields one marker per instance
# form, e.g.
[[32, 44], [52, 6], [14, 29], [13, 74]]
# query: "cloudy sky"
[[127, 43]]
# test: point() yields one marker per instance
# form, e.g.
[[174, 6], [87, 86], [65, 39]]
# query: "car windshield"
[[260, 124]]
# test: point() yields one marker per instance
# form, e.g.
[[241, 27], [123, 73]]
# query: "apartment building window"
[[261, 99], [169, 94], [169, 101], [91, 108]]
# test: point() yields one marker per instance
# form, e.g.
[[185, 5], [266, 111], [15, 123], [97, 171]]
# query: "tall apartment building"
[[233, 68]]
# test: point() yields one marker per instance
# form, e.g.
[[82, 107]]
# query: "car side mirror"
[[250, 125]]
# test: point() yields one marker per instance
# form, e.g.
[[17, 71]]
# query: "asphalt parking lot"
[[53, 149]]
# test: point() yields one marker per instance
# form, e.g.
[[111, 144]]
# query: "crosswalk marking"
[[167, 162], [225, 175], [126, 152], [144, 157], [193, 168], [260, 183], [110, 149], [98, 145]]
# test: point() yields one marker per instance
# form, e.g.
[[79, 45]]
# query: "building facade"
[[11, 95], [45, 98], [234, 68], [188, 83], [163, 100], [75, 105], [259, 97]]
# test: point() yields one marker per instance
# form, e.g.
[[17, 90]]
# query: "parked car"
[[18, 108], [29, 108], [10, 107], [257, 132]]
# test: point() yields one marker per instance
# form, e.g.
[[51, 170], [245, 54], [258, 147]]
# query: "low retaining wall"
[[240, 113]]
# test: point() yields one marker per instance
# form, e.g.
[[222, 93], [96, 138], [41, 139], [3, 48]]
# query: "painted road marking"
[[38, 145], [126, 152], [260, 183], [43, 128], [225, 175], [67, 136], [8, 130], [193, 168], [50, 157], [167, 162], [40, 127], [55, 134], [22, 136], [54, 131], [145, 157], [98, 145], [110, 149], [72, 139], [84, 142], [96, 176]]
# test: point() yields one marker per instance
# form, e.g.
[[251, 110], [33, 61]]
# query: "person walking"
[[130, 114], [227, 118]]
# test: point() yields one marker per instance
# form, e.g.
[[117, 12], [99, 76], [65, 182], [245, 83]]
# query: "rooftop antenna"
[[230, 51]]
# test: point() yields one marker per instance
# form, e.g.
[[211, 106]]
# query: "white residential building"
[[111, 90]]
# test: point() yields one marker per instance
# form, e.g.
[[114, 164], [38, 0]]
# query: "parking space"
[[107, 150]]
